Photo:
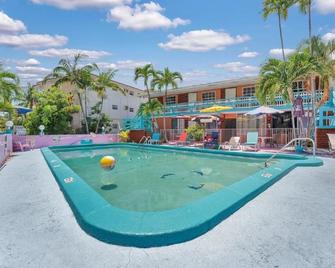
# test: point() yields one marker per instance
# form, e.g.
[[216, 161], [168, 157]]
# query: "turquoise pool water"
[[148, 179], [159, 195]]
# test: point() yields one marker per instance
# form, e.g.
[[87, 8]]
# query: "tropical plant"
[[53, 110], [9, 90], [150, 109], [98, 118], [163, 80], [279, 7], [195, 132], [276, 78], [124, 135], [68, 71], [101, 83], [146, 72], [30, 96], [324, 63]]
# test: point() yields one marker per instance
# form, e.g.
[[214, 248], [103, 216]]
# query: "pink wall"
[[5, 147], [53, 140]]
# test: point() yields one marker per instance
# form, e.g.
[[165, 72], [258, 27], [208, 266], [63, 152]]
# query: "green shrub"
[[195, 132]]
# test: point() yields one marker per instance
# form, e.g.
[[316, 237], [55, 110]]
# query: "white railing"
[[275, 136]]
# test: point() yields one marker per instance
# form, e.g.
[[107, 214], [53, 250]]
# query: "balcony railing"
[[238, 104]]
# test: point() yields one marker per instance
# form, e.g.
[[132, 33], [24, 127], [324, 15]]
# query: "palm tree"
[[165, 79], [280, 7], [146, 72], [9, 89], [277, 77], [30, 98], [324, 63], [69, 71], [149, 109], [305, 7], [104, 81]]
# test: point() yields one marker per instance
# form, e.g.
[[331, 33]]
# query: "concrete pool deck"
[[291, 224]]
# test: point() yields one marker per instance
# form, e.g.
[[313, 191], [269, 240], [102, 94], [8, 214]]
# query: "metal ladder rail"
[[289, 143], [144, 139]]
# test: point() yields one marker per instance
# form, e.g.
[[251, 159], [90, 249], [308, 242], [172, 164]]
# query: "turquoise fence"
[[326, 118], [136, 123]]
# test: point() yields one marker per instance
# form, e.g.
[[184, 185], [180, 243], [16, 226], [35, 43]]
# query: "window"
[[114, 107], [131, 110], [115, 126], [126, 108], [131, 93], [249, 92], [298, 86], [170, 100], [208, 96]]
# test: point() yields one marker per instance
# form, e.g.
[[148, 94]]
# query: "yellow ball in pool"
[[107, 162]]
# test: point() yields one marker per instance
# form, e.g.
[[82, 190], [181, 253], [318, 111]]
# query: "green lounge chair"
[[252, 140]]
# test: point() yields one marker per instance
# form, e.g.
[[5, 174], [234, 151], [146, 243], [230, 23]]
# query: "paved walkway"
[[292, 224]]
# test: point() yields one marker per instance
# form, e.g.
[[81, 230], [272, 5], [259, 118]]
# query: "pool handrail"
[[286, 145]]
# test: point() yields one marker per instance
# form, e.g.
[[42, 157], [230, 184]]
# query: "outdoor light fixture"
[[9, 124], [41, 128]]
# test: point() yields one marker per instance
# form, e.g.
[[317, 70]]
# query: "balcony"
[[239, 104]]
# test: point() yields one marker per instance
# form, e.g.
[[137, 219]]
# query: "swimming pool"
[[158, 195]]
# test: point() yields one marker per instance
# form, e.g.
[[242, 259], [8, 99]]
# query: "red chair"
[[182, 139]]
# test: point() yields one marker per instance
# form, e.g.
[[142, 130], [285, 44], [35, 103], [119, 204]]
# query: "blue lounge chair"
[[252, 140], [155, 139], [212, 142]]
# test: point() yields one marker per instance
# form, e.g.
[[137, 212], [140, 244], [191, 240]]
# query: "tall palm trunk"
[[83, 112], [164, 112], [291, 96], [281, 36], [99, 116]]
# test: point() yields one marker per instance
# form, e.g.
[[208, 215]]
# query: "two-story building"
[[117, 106], [184, 105]]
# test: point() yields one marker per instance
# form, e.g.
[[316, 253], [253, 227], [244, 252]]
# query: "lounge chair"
[[331, 141], [28, 144], [233, 143], [252, 140], [155, 139], [182, 139], [212, 142]]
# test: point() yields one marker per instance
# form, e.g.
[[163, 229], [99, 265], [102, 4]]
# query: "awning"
[[264, 110]]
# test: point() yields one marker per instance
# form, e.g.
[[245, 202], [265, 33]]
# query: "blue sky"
[[205, 41]]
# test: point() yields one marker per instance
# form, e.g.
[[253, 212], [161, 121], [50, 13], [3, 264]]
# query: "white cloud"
[[248, 54], [329, 36], [195, 75], [202, 40], [32, 70], [325, 6], [28, 62], [9, 25], [277, 52], [237, 67], [142, 17], [68, 52], [125, 64], [73, 4], [32, 40], [28, 76]]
